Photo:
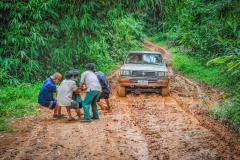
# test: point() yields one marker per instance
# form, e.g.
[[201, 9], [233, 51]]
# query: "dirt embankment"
[[136, 127]]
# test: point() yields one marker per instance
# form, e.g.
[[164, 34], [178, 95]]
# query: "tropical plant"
[[39, 37], [231, 58]]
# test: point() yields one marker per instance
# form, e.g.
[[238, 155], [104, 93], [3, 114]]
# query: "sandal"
[[71, 119], [61, 116]]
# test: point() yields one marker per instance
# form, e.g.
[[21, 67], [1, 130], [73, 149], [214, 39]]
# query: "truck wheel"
[[165, 91], [121, 91]]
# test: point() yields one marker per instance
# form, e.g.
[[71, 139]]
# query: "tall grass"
[[17, 101], [229, 112], [198, 70]]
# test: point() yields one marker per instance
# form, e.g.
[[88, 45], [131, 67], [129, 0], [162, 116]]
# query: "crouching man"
[[46, 98], [64, 96]]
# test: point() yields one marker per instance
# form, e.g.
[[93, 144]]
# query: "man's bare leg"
[[78, 111], [100, 105], [69, 113], [59, 110], [108, 103], [55, 110], [81, 112]]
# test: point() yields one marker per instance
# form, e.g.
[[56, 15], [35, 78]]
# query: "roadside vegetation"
[[17, 101], [204, 38]]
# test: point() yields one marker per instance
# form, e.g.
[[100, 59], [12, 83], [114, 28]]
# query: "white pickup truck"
[[143, 71]]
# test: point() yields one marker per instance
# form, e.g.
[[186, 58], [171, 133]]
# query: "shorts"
[[75, 105], [103, 96], [49, 104]]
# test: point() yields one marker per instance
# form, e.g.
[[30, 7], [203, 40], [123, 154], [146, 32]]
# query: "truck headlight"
[[161, 73], [125, 72]]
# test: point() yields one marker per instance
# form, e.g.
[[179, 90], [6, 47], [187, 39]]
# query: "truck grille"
[[143, 74]]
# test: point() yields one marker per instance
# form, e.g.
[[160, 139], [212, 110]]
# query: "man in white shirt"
[[94, 89], [64, 96]]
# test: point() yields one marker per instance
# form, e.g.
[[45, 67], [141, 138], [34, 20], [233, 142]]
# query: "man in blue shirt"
[[46, 98]]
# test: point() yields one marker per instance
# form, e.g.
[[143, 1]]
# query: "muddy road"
[[145, 127]]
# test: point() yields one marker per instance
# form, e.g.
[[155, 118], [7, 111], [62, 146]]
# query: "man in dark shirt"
[[106, 89], [46, 98]]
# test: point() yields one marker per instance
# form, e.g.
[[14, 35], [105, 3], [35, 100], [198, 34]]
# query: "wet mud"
[[144, 127]]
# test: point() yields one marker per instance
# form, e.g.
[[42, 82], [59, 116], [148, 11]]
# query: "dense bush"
[[205, 29], [39, 37]]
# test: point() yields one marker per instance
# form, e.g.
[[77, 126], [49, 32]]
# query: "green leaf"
[[219, 60]]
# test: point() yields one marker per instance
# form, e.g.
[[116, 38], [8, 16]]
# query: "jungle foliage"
[[39, 37], [205, 32], [206, 29]]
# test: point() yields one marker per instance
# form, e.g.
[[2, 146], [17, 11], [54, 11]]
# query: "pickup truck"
[[143, 71]]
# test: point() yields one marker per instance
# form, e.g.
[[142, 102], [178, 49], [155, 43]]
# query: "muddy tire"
[[165, 91], [121, 91]]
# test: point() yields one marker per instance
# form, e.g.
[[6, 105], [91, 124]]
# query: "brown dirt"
[[137, 127]]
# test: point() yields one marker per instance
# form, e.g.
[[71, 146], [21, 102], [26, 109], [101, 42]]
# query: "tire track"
[[172, 133]]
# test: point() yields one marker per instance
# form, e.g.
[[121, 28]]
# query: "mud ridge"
[[222, 130]]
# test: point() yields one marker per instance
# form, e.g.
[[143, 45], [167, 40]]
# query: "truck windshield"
[[144, 58]]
